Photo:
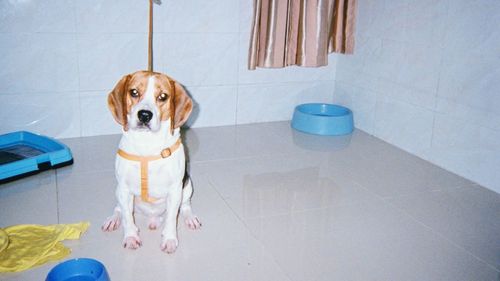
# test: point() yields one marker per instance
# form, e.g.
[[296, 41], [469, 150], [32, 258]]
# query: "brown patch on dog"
[[117, 101], [178, 106]]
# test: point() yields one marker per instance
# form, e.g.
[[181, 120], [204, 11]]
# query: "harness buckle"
[[166, 153]]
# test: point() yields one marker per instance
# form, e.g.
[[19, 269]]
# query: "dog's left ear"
[[182, 105]]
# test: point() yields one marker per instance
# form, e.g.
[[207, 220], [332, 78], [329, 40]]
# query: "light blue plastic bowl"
[[323, 119], [82, 269]]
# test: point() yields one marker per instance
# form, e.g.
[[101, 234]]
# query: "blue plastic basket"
[[323, 119], [82, 269], [23, 153]]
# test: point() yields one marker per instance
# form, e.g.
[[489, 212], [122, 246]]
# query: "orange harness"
[[144, 160]]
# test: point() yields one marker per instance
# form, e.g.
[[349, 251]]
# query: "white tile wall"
[[104, 58], [259, 103], [363, 101], [200, 59], [426, 77], [55, 114], [38, 62], [403, 124], [37, 16], [214, 16], [214, 105], [98, 120], [83, 47], [100, 16]]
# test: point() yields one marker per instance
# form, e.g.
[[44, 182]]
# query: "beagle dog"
[[150, 164]]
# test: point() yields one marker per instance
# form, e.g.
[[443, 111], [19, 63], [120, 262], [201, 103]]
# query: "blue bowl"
[[323, 119], [82, 269]]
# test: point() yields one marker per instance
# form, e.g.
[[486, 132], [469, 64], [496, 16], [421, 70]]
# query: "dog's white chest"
[[162, 175]]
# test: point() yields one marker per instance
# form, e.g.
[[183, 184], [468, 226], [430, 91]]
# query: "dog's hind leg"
[[113, 222], [190, 219]]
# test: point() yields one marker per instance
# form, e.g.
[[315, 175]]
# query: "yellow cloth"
[[4, 240], [30, 245]]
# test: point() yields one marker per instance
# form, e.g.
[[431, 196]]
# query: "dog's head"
[[141, 100]]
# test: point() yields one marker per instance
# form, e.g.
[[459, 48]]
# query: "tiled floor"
[[279, 205]]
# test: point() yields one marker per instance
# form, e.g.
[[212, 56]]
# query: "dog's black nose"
[[145, 116]]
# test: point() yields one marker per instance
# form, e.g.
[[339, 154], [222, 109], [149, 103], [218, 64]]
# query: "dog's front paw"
[[169, 245], [112, 223], [193, 222], [132, 242]]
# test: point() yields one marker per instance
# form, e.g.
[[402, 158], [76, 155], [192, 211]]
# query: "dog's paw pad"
[[193, 222], [169, 246], [132, 243]]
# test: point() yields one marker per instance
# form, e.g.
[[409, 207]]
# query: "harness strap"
[[144, 161]]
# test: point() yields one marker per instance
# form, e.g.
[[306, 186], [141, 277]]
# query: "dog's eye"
[[134, 93], [162, 97]]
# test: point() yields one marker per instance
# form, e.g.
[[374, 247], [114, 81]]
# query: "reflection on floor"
[[279, 205]]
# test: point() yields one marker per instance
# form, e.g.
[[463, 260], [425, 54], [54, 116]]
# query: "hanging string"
[[150, 38]]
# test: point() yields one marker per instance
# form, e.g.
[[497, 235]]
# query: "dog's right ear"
[[117, 101]]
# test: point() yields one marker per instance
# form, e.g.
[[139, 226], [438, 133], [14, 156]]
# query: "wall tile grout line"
[[238, 66], [276, 84], [77, 52]]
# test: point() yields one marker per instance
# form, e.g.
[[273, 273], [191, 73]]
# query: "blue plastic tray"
[[24, 153]]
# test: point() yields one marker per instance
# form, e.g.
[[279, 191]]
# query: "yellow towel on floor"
[[30, 245]]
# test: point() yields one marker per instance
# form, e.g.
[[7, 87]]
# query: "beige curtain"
[[300, 32]]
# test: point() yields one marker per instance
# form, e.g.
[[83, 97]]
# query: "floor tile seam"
[[353, 178], [453, 186], [411, 194], [437, 187], [63, 174], [238, 158], [386, 200], [430, 190], [442, 236], [350, 203], [298, 212], [437, 167], [440, 190], [416, 158], [407, 196], [473, 185], [259, 241]]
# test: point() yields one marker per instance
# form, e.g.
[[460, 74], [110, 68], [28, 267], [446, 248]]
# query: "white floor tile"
[[91, 154], [31, 200], [277, 204], [363, 241], [467, 216]]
